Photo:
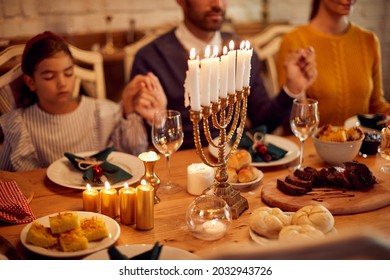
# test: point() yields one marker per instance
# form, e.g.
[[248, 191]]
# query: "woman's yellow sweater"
[[349, 71]]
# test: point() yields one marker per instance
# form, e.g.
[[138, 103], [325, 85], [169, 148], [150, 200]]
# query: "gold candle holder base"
[[230, 110]]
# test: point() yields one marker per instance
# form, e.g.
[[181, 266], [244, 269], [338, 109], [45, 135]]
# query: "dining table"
[[170, 228]]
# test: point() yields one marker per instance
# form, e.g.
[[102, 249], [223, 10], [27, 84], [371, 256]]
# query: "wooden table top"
[[169, 226]]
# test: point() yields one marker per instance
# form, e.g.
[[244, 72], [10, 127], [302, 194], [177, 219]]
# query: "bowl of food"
[[336, 145]]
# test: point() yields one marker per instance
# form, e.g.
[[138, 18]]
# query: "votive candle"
[[145, 206], [109, 201], [127, 204], [91, 199], [199, 177]]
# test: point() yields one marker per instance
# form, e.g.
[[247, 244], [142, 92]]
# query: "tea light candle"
[[145, 206], [108, 201], [127, 204], [199, 177], [214, 228], [90, 199]]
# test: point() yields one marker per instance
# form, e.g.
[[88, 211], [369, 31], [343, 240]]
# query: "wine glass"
[[304, 120], [384, 148], [167, 137]]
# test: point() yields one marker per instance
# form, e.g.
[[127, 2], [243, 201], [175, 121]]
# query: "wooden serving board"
[[23, 183], [337, 201]]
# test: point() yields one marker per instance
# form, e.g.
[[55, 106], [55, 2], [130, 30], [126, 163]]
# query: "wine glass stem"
[[301, 154], [169, 168]]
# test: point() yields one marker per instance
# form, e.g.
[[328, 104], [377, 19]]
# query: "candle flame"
[[89, 188], [126, 185], [107, 185], [225, 50], [192, 53], [207, 51], [215, 51], [247, 44], [231, 45], [242, 45], [143, 182]]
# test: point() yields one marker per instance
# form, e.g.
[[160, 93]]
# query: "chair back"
[[132, 49], [266, 44]]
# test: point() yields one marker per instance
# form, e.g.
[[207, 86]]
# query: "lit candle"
[[149, 156], [214, 228], [232, 69], [127, 204], [145, 206], [205, 74], [214, 83], [224, 74], [192, 81], [199, 177], [247, 68], [90, 199], [108, 201], [240, 66]]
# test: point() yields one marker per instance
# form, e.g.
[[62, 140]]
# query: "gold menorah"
[[227, 110]]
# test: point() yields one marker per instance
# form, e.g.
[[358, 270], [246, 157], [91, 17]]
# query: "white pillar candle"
[[205, 74], [247, 68], [232, 69], [192, 81], [214, 83], [223, 80], [240, 66], [199, 177]]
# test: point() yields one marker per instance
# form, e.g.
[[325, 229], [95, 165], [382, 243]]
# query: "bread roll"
[[247, 174], [232, 175], [268, 221], [239, 159], [299, 232], [315, 215]]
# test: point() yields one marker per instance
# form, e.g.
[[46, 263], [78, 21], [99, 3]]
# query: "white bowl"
[[336, 153]]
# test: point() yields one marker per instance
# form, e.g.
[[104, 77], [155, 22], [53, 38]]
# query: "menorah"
[[231, 110]]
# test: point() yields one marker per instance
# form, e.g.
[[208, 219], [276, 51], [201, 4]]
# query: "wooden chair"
[[88, 70], [266, 44], [132, 49]]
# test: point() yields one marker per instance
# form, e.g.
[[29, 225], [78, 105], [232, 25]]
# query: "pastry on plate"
[[94, 228], [317, 216], [299, 232], [268, 221], [41, 236], [64, 222]]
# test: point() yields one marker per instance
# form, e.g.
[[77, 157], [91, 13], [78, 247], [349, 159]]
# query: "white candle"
[[214, 228], [223, 80], [232, 69], [214, 83], [199, 177], [205, 74], [149, 156], [192, 81], [247, 69], [240, 66]]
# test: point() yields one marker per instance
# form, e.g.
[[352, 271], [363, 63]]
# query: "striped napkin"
[[14, 207]]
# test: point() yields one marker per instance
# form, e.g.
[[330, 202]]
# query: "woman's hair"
[[38, 48], [315, 4]]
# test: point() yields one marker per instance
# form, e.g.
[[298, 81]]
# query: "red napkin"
[[14, 207]]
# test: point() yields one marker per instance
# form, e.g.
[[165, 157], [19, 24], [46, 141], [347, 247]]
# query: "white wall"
[[29, 17]]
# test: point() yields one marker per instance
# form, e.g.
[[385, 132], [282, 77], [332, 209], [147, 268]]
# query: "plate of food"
[[290, 146], [242, 186], [167, 253], [63, 173], [70, 234]]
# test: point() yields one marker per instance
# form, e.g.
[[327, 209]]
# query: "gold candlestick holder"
[[227, 110], [150, 176]]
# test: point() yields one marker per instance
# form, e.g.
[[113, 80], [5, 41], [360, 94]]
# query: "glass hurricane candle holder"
[[208, 217]]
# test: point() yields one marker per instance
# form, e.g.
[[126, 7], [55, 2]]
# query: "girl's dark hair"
[[38, 48], [315, 4]]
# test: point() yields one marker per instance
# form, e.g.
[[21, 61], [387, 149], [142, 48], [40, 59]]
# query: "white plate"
[[291, 148], [112, 227], [167, 253], [241, 186], [63, 173]]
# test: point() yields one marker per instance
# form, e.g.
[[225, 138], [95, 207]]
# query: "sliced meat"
[[290, 189], [294, 180], [304, 174], [359, 175]]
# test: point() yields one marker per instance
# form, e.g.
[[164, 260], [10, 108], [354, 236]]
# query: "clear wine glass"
[[167, 137], [304, 120], [384, 148]]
